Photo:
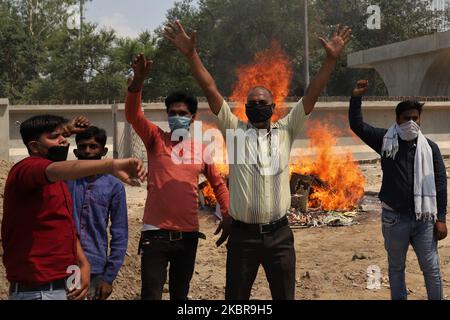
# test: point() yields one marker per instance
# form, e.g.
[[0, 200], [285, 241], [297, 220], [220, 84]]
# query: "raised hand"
[[130, 171], [175, 33], [76, 125], [361, 88], [141, 69], [336, 45]]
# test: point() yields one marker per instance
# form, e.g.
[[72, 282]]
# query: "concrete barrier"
[[4, 129], [123, 142]]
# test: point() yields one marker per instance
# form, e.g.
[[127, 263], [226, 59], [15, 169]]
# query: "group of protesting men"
[[57, 212]]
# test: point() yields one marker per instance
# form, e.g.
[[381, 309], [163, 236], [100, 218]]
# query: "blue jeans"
[[39, 295], [400, 230]]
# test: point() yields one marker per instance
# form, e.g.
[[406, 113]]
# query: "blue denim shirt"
[[96, 201]]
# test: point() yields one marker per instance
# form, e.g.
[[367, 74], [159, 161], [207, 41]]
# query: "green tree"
[[19, 55], [170, 71]]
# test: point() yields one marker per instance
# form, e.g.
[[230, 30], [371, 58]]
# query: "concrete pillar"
[[4, 129], [127, 141], [114, 109]]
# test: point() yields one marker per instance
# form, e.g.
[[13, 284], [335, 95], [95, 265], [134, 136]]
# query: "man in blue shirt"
[[98, 200]]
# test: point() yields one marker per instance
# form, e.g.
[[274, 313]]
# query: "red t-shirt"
[[172, 201], [38, 232]]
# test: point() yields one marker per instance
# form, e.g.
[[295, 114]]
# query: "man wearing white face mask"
[[171, 229], [413, 192]]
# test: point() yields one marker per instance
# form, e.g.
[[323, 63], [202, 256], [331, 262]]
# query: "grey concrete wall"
[[435, 124], [4, 125]]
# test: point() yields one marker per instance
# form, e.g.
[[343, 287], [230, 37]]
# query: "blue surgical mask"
[[177, 122]]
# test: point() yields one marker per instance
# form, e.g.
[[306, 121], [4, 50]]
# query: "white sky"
[[128, 18]]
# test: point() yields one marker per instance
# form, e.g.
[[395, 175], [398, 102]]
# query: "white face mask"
[[408, 131]]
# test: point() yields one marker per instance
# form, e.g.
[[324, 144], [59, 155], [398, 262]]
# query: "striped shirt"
[[259, 165]]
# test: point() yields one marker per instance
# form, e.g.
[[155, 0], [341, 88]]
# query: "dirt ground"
[[331, 261]]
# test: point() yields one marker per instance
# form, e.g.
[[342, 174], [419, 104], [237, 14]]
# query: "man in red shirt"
[[40, 244], [170, 232]]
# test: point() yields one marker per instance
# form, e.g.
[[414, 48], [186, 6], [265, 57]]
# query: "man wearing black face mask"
[[259, 190], [413, 192], [40, 242], [99, 201]]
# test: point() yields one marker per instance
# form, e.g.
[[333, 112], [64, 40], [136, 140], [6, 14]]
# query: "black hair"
[[183, 97], [92, 132], [408, 105], [261, 88], [32, 128]]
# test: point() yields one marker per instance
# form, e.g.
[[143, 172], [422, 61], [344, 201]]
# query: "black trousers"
[[156, 255], [247, 250]]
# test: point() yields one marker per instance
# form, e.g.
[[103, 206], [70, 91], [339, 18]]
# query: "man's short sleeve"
[[31, 172], [227, 120], [295, 120]]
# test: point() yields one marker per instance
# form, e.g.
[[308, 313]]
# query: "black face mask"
[[259, 113], [80, 157], [58, 153]]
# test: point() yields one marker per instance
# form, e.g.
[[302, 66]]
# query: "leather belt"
[[263, 228], [16, 287], [168, 235]]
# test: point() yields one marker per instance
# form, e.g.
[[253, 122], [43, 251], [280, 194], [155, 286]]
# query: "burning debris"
[[327, 188], [339, 183], [207, 195], [302, 187]]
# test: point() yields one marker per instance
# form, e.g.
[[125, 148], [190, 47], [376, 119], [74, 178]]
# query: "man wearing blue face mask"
[[413, 192], [171, 230]]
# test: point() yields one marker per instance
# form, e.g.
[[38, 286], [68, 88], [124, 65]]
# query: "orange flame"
[[272, 69], [208, 193], [344, 181]]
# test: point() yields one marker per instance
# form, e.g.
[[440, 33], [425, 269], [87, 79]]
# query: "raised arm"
[[333, 48], [145, 129], [125, 169], [176, 34], [372, 136]]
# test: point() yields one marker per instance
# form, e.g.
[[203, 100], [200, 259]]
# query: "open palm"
[[176, 34], [336, 45]]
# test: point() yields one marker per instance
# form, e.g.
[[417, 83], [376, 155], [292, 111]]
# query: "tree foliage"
[[42, 59]]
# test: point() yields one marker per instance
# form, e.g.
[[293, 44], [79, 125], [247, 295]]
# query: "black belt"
[[16, 287], [168, 235], [262, 228]]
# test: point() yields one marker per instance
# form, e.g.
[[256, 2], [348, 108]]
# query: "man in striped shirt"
[[259, 189]]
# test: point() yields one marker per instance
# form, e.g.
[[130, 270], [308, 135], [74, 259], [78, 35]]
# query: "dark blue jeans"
[[401, 230]]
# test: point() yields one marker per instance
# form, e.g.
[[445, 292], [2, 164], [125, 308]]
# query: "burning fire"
[[343, 181], [208, 193], [341, 175], [271, 68]]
